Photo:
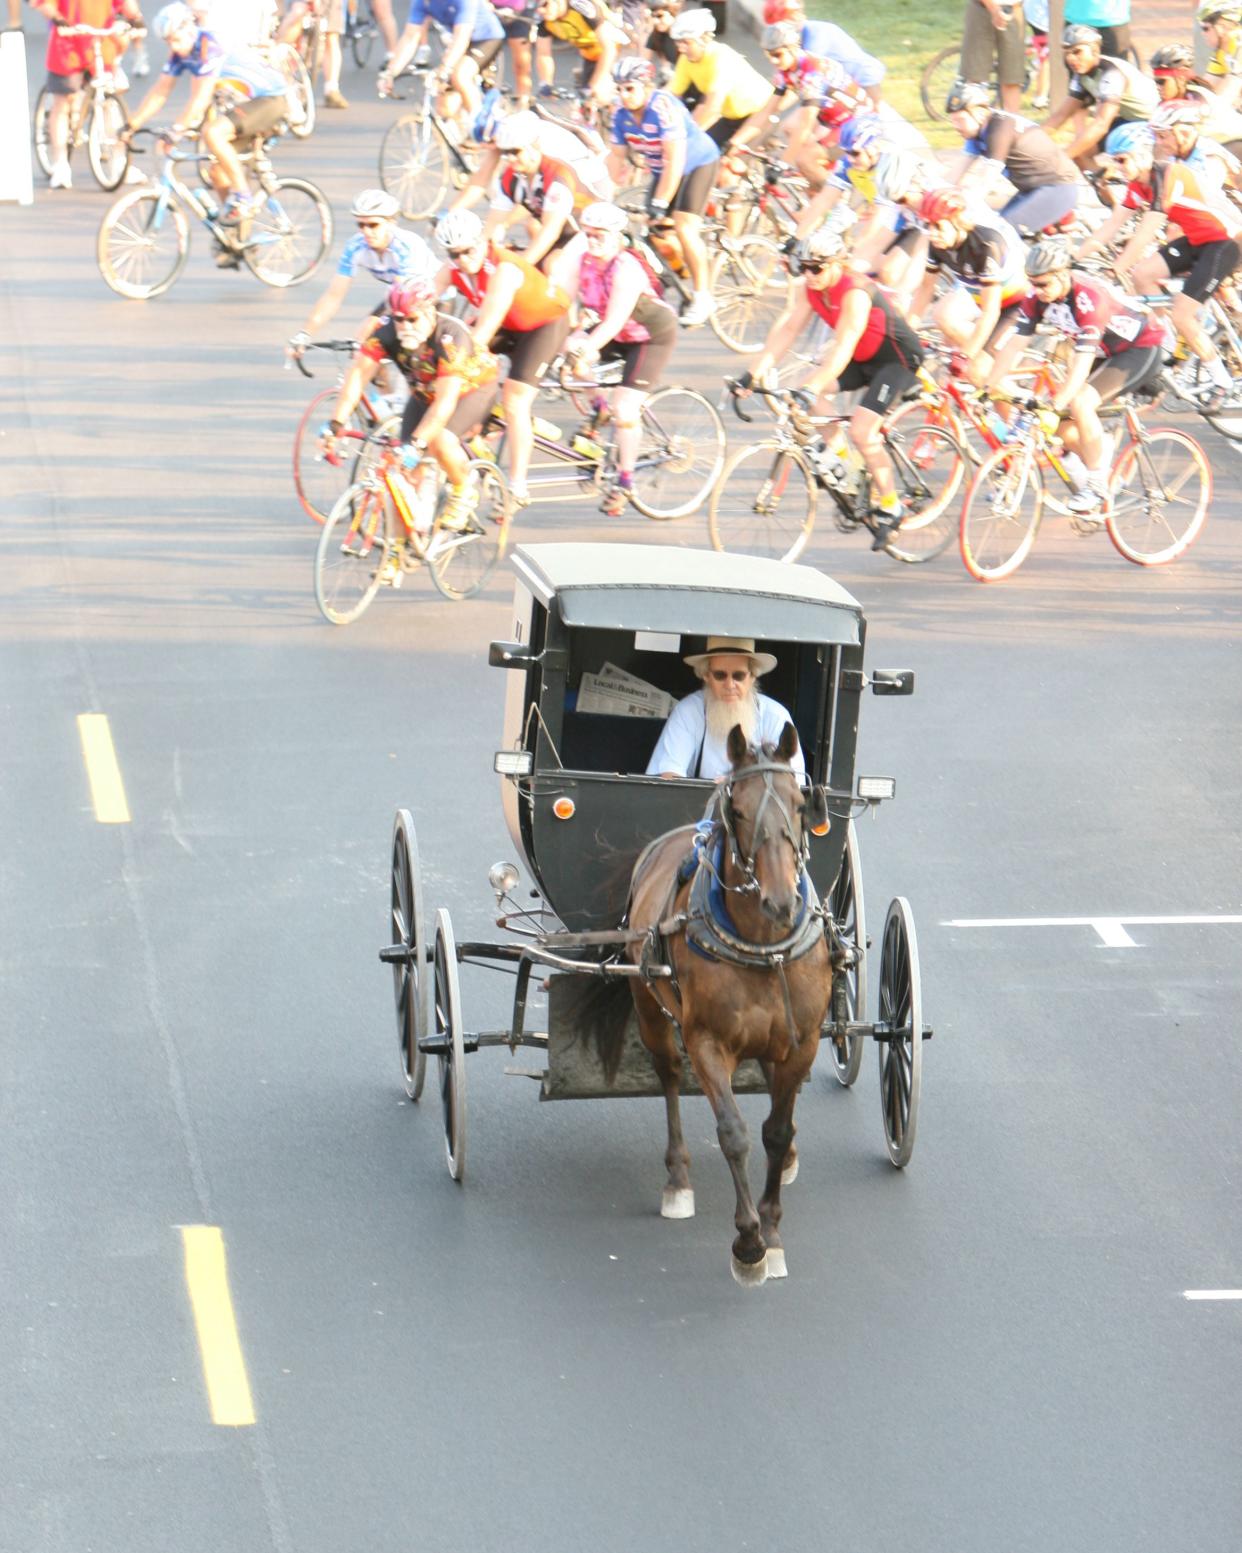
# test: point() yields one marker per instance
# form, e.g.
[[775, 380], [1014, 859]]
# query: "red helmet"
[[942, 205], [780, 11], [409, 296], [834, 113]]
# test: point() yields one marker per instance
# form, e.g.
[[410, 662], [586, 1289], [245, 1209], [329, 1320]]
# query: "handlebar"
[[116, 30], [343, 347], [796, 400]]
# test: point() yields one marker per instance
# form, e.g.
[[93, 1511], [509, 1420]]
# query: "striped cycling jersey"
[[406, 256], [991, 255], [241, 75], [664, 119]]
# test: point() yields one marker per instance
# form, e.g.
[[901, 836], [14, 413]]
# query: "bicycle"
[[144, 239], [299, 86], [767, 498], [423, 155], [373, 536], [319, 480], [361, 31], [1160, 485], [97, 113]]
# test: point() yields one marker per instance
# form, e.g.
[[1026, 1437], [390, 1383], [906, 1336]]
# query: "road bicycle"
[[319, 480], [389, 523], [768, 496], [144, 239], [423, 155], [97, 113], [361, 31], [1159, 490], [771, 193], [299, 85]]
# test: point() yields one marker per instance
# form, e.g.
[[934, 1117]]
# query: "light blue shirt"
[[685, 734], [1096, 13]]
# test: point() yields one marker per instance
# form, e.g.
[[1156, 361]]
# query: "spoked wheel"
[[1160, 491], [929, 468], [901, 1051], [411, 976], [355, 555], [107, 153], [143, 243], [363, 34], [414, 165], [681, 454], [318, 482], [462, 559], [287, 233], [764, 503], [42, 144], [938, 76], [300, 94], [448, 1028], [1001, 516], [850, 916], [751, 287]]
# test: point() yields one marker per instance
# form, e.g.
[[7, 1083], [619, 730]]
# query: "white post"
[[16, 168]]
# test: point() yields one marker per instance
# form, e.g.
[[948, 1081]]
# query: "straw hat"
[[720, 646]]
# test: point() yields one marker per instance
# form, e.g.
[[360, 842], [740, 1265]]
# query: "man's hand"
[[325, 443], [297, 345]]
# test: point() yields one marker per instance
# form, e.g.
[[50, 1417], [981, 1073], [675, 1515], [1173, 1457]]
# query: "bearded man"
[[692, 743]]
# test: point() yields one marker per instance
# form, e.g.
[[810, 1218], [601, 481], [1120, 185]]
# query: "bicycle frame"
[[174, 189]]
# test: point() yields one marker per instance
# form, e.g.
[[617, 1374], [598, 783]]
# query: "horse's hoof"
[[677, 1202], [790, 1173], [776, 1262], [749, 1274]]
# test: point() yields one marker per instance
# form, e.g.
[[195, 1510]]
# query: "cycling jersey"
[[1100, 320], [406, 256], [851, 179], [582, 26], [745, 90], [1227, 59], [484, 23], [446, 353], [537, 301], [887, 334], [552, 189], [1189, 198], [829, 41], [1116, 80], [588, 166], [65, 56], [1028, 155], [663, 120], [990, 255], [814, 78], [241, 74], [595, 281]]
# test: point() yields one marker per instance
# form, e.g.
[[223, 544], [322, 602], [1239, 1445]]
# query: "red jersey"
[[1097, 318], [1189, 200], [553, 187], [536, 302], [884, 326], [66, 55]]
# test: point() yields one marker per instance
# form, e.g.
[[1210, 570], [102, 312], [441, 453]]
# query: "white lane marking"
[[1111, 930], [1212, 1294]]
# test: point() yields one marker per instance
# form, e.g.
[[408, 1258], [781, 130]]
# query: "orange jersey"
[[537, 301]]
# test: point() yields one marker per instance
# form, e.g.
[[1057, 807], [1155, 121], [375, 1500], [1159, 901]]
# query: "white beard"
[[724, 715]]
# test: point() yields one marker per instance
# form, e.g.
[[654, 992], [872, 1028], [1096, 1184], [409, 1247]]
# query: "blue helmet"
[[860, 133], [1129, 140]]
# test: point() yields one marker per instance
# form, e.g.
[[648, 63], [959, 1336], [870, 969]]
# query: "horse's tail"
[[598, 1009]]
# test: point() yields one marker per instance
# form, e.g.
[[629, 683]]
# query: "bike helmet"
[[780, 35], [1047, 256], [1178, 114], [1072, 37], [860, 133], [486, 120], [634, 68], [518, 130], [410, 296], [172, 19], [834, 113], [1213, 13], [825, 242], [459, 231], [964, 95], [782, 11], [698, 23], [604, 217], [896, 173], [1129, 140], [377, 204], [942, 205], [1173, 56]]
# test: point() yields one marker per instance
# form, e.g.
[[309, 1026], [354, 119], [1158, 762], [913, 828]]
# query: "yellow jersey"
[[745, 89]]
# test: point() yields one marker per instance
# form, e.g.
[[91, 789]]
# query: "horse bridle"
[[745, 863]]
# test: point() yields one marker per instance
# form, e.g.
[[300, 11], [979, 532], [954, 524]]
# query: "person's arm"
[[555, 214], [680, 739], [1062, 113], [151, 103], [565, 266], [989, 312], [498, 299], [1149, 227], [671, 172], [323, 312], [600, 86], [455, 48], [1093, 131], [361, 371], [855, 311], [1075, 381], [445, 393], [411, 40], [1101, 239], [782, 334], [196, 109], [758, 122]]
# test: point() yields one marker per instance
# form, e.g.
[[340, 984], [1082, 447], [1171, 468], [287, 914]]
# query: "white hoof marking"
[[776, 1262], [749, 1274], [677, 1203], [790, 1173]]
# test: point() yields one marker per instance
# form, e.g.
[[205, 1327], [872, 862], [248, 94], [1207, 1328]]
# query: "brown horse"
[[751, 978]]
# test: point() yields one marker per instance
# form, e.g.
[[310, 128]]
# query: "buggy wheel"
[[414, 165], [411, 977], [143, 243], [750, 288], [355, 546], [448, 1029], [107, 153], [901, 1049], [1001, 515], [680, 456], [764, 503], [929, 468], [462, 559], [287, 233], [1161, 488], [850, 917]]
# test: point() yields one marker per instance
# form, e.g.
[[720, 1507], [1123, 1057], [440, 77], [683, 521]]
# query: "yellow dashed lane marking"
[[224, 1369], [107, 789]]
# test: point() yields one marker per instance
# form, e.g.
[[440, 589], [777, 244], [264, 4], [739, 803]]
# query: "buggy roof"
[[692, 592]]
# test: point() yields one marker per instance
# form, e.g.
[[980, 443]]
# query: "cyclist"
[[1222, 31], [518, 312], [379, 249], [891, 239], [682, 160], [659, 44], [250, 92], [1005, 145], [453, 386], [70, 61], [579, 149], [331, 25], [592, 28], [548, 191], [1102, 92], [730, 91], [1118, 347], [1173, 67], [474, 39], [825, 40], [873, 347], [819, 91], [633, 325]]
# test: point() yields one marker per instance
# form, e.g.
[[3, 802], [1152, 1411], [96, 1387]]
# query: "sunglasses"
[[738, 676], [371, 226], [813, 266]]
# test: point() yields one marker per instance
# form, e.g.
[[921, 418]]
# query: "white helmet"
[[604, 217], [825, 242], [693, 24], [517, 130], [172, 19], [376, 203], [459, 230], [895, 173]]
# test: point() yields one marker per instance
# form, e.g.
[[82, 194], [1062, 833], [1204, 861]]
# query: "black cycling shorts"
[[531, 351], [1204, 266], [484, 52], [723, 130], [472, 410], [695, 189], [257, 119], [645, 360], [1126, 371], [65, 85], [884, 378]]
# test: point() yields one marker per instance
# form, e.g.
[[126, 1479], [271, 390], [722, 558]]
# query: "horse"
[[737, 921]]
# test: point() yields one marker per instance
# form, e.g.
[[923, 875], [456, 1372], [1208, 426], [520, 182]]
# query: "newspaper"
[[616, 693]]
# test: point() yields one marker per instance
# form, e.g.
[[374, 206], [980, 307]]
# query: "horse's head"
[[764, 813]]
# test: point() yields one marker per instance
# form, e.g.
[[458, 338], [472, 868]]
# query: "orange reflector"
[[564, 808], [821, 830]]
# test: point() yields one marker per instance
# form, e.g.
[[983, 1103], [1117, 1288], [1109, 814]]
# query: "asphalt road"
[[991, 1350]]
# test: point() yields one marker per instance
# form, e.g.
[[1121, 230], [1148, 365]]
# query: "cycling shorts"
[[256, 119], [472, 410], [723, 130], [695, 189], [1205, 266], [485, 50], [1125, 371], [884, 378], [531, 351], [645, 360], [65, 85]]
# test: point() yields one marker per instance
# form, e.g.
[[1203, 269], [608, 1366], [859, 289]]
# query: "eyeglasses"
[[813, 266], [371, 226], [738, 676]]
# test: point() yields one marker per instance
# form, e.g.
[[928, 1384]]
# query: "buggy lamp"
[[502, 877], [513, 762], [564, 808], [876, 789]]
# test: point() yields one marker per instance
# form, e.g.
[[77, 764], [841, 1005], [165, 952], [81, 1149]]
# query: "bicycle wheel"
[[318, 482], [353, 548], [680, 456], [764, 504], [929, 467], [751, 287], [1001, 516], [1159, 494], [362, 34], [143, 243], [414, 165], [42, 145], [287, 234], [107, 153], [461, 560], [299, 88]]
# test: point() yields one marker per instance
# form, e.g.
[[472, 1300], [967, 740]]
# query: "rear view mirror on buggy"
[[885, 683]]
